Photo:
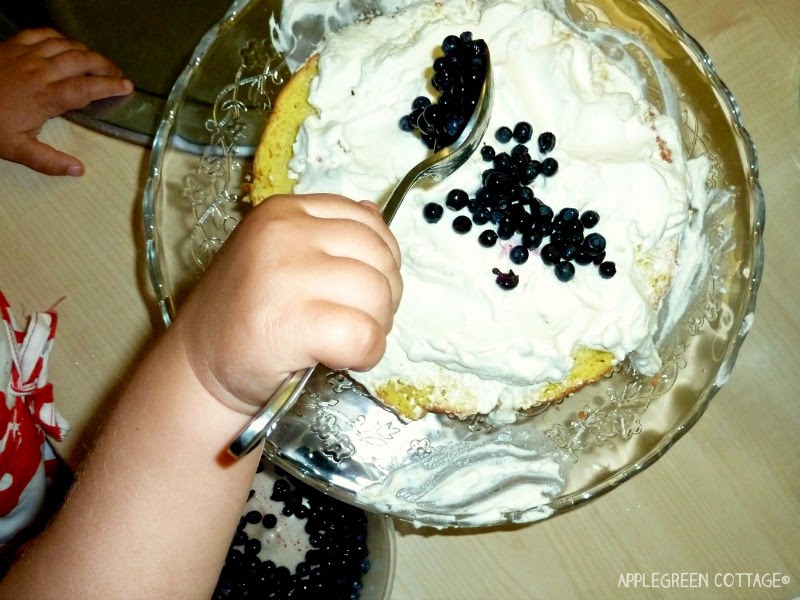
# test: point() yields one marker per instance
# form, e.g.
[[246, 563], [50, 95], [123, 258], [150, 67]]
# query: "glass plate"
[[340, 440]]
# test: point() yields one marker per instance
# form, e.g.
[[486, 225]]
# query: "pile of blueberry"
[[458, 76], [506, 204], [333, 567]]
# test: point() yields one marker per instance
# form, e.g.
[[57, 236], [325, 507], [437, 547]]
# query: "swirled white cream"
[[509, 477], [490, 347]]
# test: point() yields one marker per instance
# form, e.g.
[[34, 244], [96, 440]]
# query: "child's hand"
[[302, 280], [43, 75]]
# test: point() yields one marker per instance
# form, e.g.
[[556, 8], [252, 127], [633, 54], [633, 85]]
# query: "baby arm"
[[301, 280], [43, 75]]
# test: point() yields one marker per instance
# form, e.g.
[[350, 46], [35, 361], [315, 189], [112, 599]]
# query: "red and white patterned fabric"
[[27, 417]]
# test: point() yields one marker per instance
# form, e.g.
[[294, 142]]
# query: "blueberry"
[[503, 134], [487, 238], [479, 51], [414, 116], [521, 220], [253, 516], [505, 230], [607, 269], [520, 151], [451, 44], [430, 117], [507, 281], [594, 243], [405, 123], [569, 251], [269, 521], [590, 218], [444, 63], [542, 228], [529, 172], [252, 547], [518, 255], [432, 212], [457, 199], [570, 234], [442, 81], [451, 126], [599, 258], [365, 566], [462, 224], [568, 214], [448, 102], [550, 254], [525, 195], [565, 271], [481, 215], [544, 212], [466, 36], [497, 182], [502, 162], [523, 132], [234, 557], [531, 240], [487, 153], [582, 257], [239, 539], [546, 141], [421, 102], [549, 167], [482, 196]]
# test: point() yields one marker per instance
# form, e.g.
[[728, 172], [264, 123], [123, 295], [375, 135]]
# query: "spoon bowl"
[[445, 162]]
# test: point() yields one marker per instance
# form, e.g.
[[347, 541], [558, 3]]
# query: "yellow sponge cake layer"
[[270, 169], [413, 402]]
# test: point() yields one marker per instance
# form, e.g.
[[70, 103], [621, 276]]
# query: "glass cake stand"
[[340, 440]]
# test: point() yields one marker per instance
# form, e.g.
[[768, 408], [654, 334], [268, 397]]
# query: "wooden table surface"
[[724, 503]]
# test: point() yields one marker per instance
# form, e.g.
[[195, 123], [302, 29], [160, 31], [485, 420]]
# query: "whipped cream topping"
[[455, 327], [510, 477]]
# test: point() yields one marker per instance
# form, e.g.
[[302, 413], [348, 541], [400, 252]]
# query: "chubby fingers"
[[331, 206], [343, 337], [77, 92], [72, 62], [343, 241], [30, 37], [54, 46], [43, 158], [366, 252], [349, 284]]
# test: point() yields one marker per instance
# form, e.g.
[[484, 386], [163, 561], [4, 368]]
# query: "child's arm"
[[43, 75], [301, 280]]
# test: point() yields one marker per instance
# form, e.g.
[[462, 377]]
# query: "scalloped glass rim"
[[751, 251]]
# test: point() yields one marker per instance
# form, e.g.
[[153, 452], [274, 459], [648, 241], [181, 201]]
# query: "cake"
[[496, 330]]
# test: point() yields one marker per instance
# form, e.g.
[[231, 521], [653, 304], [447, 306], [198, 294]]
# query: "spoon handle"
[[265, 420]]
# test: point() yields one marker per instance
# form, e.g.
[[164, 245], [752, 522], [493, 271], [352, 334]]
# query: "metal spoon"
[[437, 166]]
